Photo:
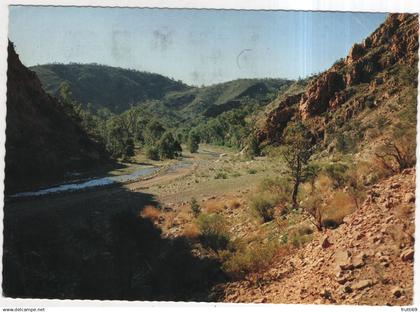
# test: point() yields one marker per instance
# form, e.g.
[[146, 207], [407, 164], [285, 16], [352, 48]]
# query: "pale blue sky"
[[196, 46]]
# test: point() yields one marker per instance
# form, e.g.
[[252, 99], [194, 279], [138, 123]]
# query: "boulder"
[[362, 284]]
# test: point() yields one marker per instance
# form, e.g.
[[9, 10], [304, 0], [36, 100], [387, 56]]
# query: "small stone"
[[325, 242], [362, 284], [395, 185], [342, 280], [346, 289], [407, 254], [397, 292], [358, 261], [347, 219], [261, 300]]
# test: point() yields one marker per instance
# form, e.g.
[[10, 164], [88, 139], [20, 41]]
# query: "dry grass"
[[234, 204], [169, 219], [340, 205], [191, 231], [214, 206], [150, 212], [324, 183], [249, 260]]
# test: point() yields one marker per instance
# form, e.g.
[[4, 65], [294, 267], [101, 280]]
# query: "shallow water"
[[69, 187]]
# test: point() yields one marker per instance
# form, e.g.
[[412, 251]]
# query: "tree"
[[193, 141], [168, 147], [252, 146], [153, 132], [296, 152], [118, 139]]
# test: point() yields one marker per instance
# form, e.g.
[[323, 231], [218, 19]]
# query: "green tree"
[[168, 147], [296, 152], [193, 141], [118, 139], [153, 132]]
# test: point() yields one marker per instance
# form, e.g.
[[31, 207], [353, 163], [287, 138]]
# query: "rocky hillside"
[[42, 141], [367, 260], [358, 89]]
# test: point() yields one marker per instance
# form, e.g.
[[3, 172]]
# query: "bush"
[[213, 229], [262, 206], [191, 231], [298, 239], [234, 203], [193, 142], [195, 207], [214, 206], [249, 260], [338, 173], [168, 147], [151, 213], [340, 205], [221, 175], [281, 187], [252, 171]]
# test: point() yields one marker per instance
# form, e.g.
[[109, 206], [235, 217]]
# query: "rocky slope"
[[367, 260], [42, 142], [365, 78]]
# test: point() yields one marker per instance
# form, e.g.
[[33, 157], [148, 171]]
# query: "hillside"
[[362, 117], [368, 260], [119, 89], [43, 143], [360, 98], [115, 88]]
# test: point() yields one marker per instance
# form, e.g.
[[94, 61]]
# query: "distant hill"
[[213, 100], [120, 89], [115, 88], [43, 143]]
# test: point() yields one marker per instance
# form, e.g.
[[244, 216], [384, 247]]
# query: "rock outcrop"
[[394, 42]]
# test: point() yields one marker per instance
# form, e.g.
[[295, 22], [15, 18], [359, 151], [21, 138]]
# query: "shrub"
[[152, 153], [151, 213], [195, 207], [252, 146], [313, 207], [191, 231], [234, 204], [280, 187], [193, 142], [340, 205], [221, 175], [262, 206], [252, 171], [250, 260], [168, 147], [337, 172], [214, 206], [298, 239], [213, 229]]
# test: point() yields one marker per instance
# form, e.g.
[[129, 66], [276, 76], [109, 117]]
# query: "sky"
[[199, 47]]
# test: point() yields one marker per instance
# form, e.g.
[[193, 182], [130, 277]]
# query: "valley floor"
[[367, 260]]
